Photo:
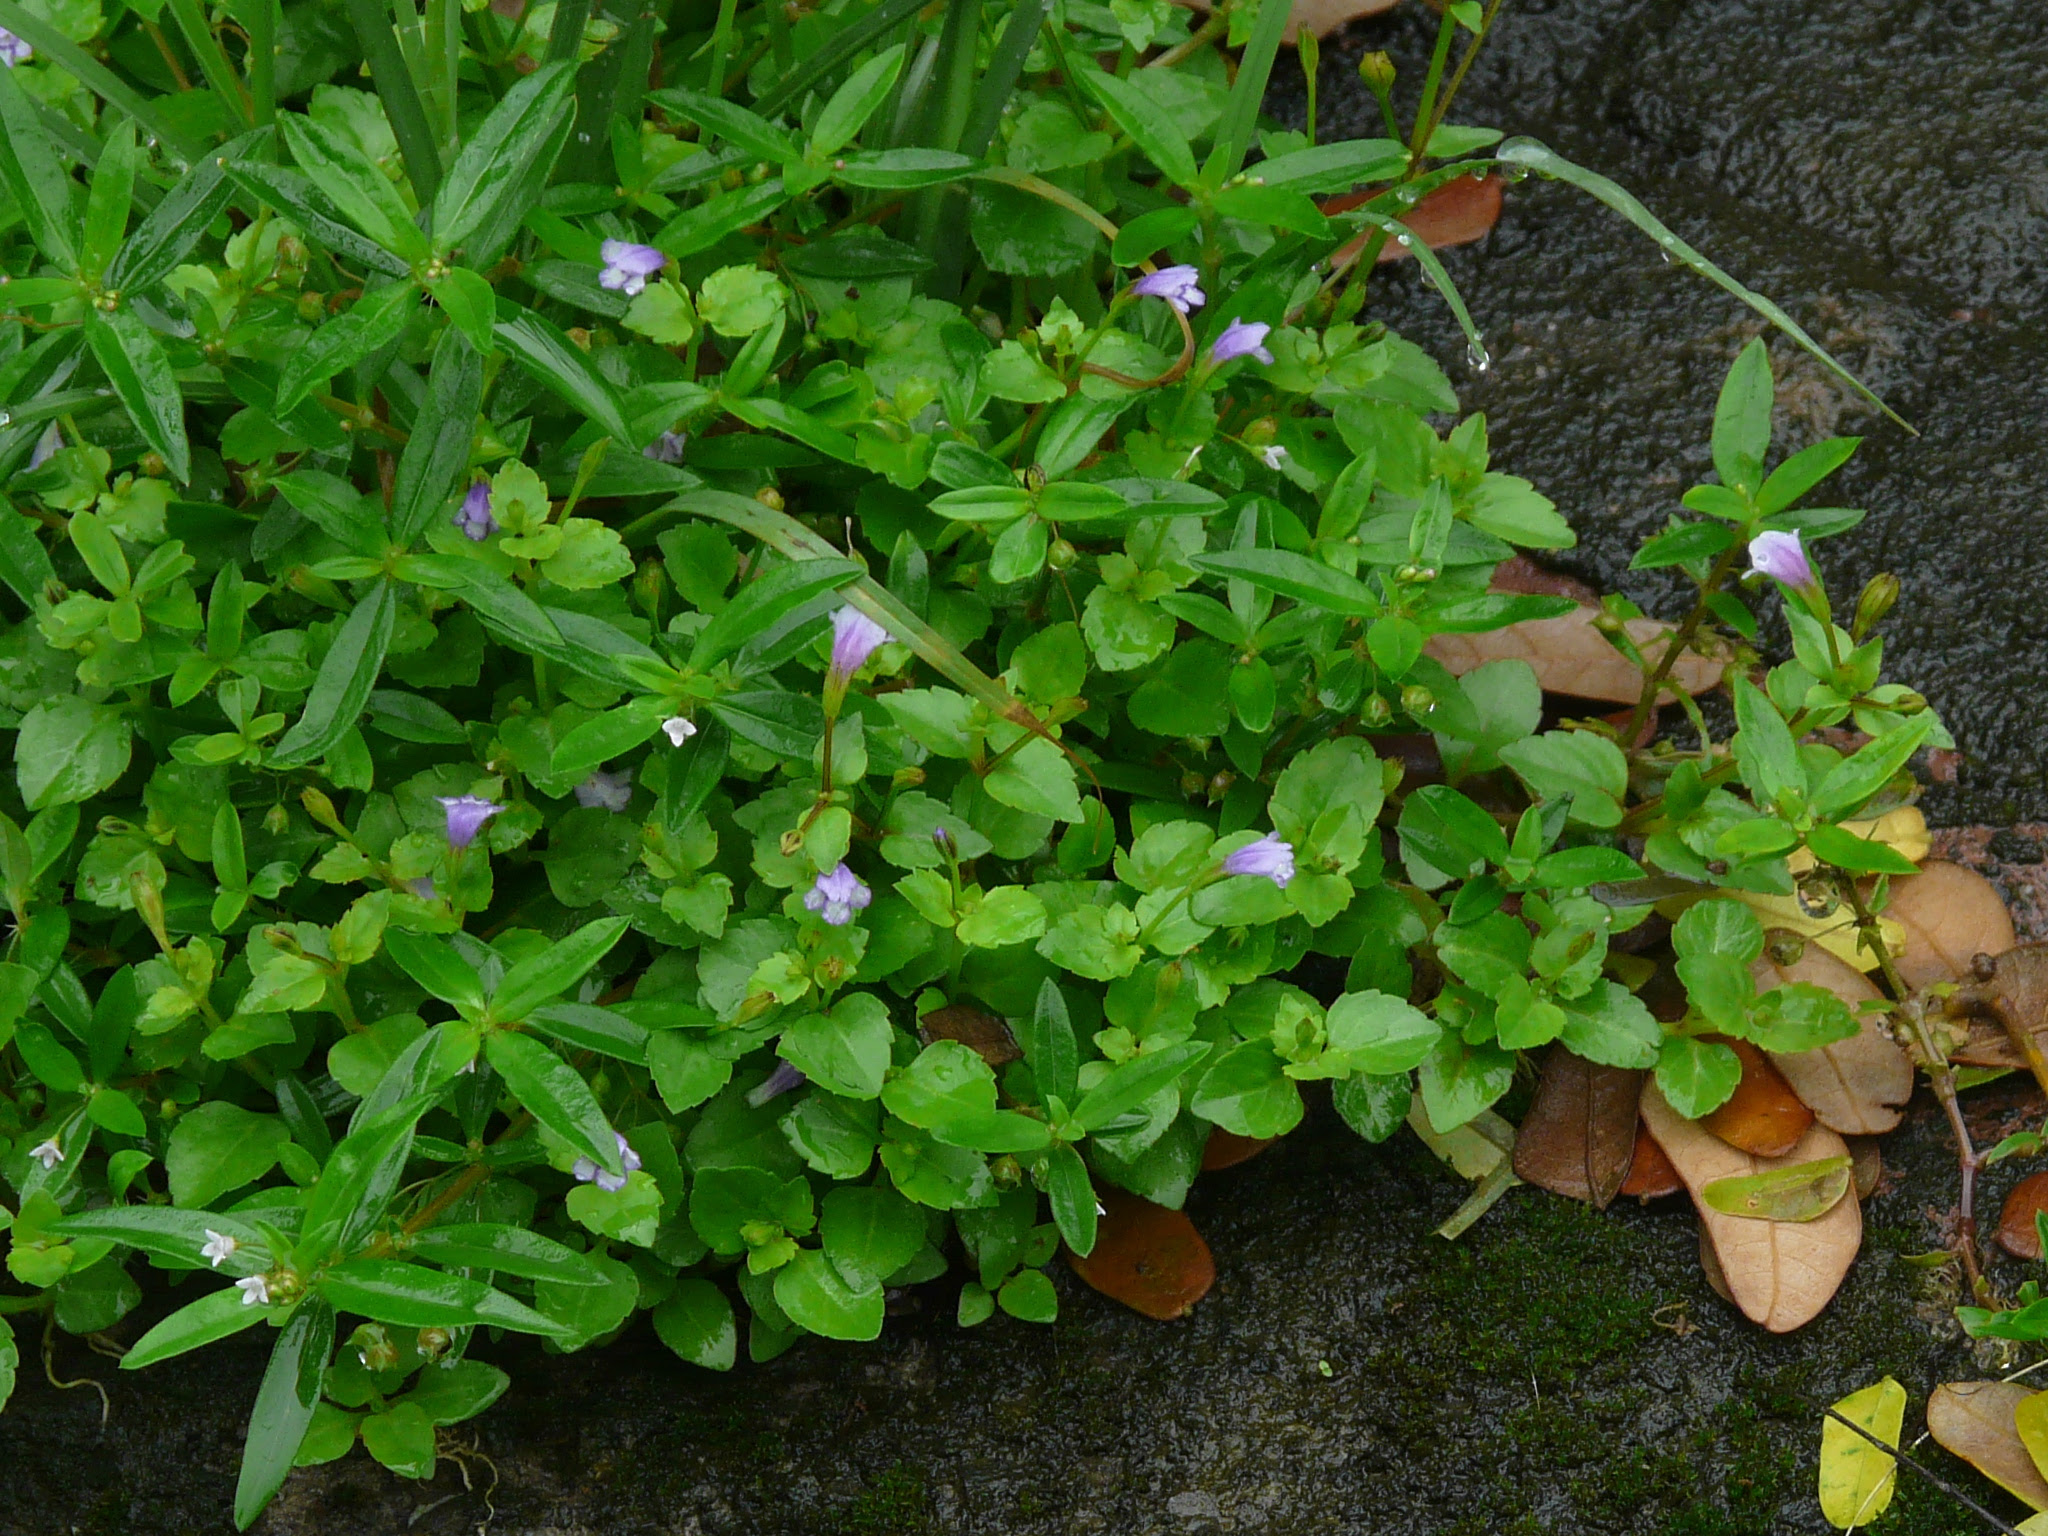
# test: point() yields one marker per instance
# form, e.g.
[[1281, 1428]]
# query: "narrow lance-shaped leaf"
[[437, 452], [136, 366], [313, 212], [284, 1407], [374, 321], [841, 119], [556, 1095], [215, 1316], [177, 223], [362, 191], [555, 969], [344, 682], [30, 170], [552, 358], [106, 205], [1148, 125], [498, 152]]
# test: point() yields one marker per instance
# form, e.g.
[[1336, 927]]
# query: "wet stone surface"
[[1881, 168]]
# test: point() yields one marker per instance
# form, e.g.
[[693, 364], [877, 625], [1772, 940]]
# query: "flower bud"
[[1219, 786], [1034, 479], [276, 819], [1879, 594], [770, 498], [1262, 432], [374, 1347], [1417, 700], [1376, 710], [1062, 555], [152, 464], [907, 778], [1006, 1171], [1377, 71], [1415, 574], [1192, 784], [312, 307], [647, 585], [434, 1342], [321, 809]]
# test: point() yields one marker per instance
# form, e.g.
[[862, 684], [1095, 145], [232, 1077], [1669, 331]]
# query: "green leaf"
[[556, 1095], [543, 351], [284, 1407], [1296, 576], [174, 226], [217, 1147], [1048, 1042], [1072, 1196], [1802, 1192], [1858, 855], [815, 1296], [841, 119], [1247, 1091], [470, 304], [1379, 1034], [759, 605], [171, 1235], [1132, 1082], [1029, 1295], [402, 1438], [555, 969], [435, 966], [509, 1250], [1851, 783], [1452, 835], [217, 1315], [1856, 1477], [413, 1296], [846, 1050], [68, 750], [730, 122], [134, 362], [437, 452], [106, 206], [697, 1323], [1764, 748], [590, 1028], [34, 177], [314, 214], [1802, 472], [497, 155], [373, 322], [1375, 1107], [1611, 1026], [869, 1233], [1742, 419], [1145, 122], [1697, 1076], [342, 689], [360, 189], [1247, 91]]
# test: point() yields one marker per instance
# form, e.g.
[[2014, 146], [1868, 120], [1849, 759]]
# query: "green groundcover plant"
[[702, 661]]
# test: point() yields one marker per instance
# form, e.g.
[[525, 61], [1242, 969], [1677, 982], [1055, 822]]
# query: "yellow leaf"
[[2034, 1525], [2031, 1419], [1856, 1477]]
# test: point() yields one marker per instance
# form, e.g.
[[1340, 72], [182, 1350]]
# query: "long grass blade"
[[401, 97], [870, 28]]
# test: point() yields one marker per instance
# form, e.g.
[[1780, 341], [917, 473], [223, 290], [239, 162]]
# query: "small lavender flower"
[[255, 1290], [667, 448], [775, 1084], [13, 50], [610, 790], [49, 444], [628, 266], [423, 887], [466, 817], [1781, 557], [1176, 285], [837, 895], [49, 1154], [855, 637], [678, 729], [1241, 338], [587, 1172], [475, 518], [1271, 856], [218, 1246]]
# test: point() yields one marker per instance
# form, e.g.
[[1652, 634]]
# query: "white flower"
[[218, 1245], [1273, 455], [255, 1290], [678, 730], [49, 1154]]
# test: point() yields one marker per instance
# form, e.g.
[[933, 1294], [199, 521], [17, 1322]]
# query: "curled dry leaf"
[[1763, 1115], [1571, 657], [1856, 1477], [1868, 1165], [2017, 1234], [1976, 1421], [2012, 988], [1318, 18], [1710, 1266], [986, 1034], [1579, 1136], [1226, 1149], [1650, 1173], [1854, 1086], [1802, 1192], [1456, 213], [1147, 1257], [1780, 1273], [1950, 916]]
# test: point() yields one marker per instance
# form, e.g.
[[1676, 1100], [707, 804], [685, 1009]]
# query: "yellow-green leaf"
[[1803, 1192], [2031, 1419], [1856, 1478]]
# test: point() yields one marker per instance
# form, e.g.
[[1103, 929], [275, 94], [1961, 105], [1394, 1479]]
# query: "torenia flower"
[[678, 729], [1241, 338], [1176, 285], [667, 448], [587, 1172], [855, 637], [255, 1290], [13, 50], [1781, 557], [49, 1154], [610, 790], [466, 817], [628, 266], [776, 1084], [475, 518], [837, 895], [52, 440], [218, 1246], [1271, 856]]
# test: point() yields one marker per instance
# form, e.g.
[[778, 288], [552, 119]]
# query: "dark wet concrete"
[[1881, 167]]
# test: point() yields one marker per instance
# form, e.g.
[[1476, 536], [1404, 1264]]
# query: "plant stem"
[[1680, 639]]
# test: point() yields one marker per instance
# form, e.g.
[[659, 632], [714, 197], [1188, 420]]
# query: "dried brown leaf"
[[1318, 18], [1710, 1262], [1579, 1136], [1763, 1115], [1975, 1420], [1147, 1257], [1571, 657], [1869, 1164], [1781, 1274], [1855, 1086], [1950, 916], [1650, 1174], [2012, 988], [2017, 1234], [1226, 1149], [982, 1032]]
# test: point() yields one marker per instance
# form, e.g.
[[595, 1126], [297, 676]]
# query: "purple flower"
[[667, 448], [855, 637], [1781, 557], [422, 887], [587, 1172], [628, 266], [466, 817], [52, 439], [837, 895], [475, 518], [775, 1084], [1241, 338], [610, 790], [13, 50], [1270, 856], [1176, 285]]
